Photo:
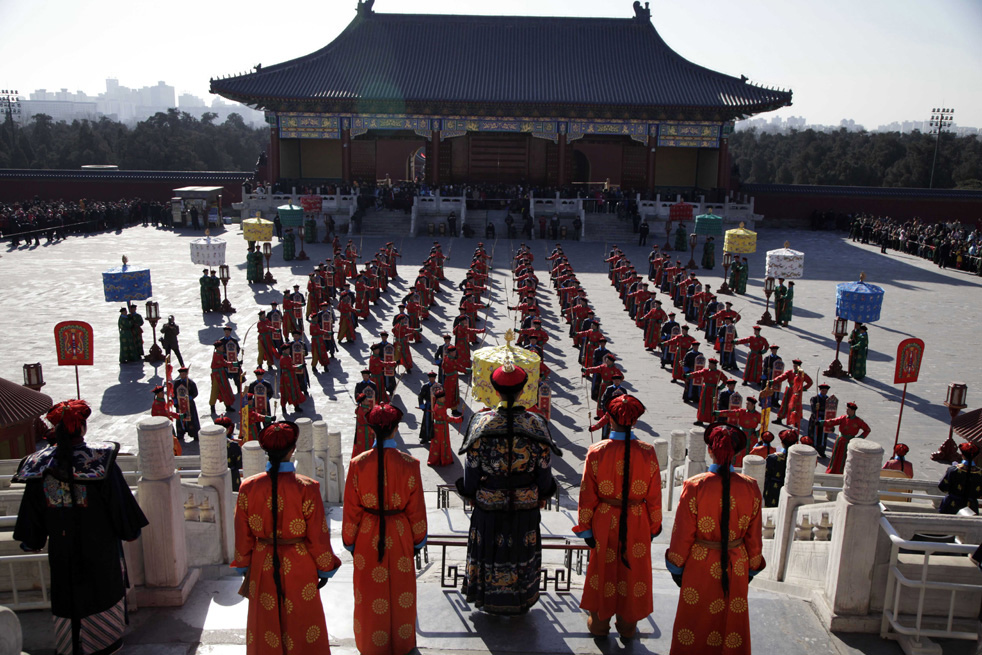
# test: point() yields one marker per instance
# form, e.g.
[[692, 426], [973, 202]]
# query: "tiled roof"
[[505, 60], [19, 404]]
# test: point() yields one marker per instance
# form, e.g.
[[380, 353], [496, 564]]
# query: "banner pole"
[[78, 389], [903, 399]]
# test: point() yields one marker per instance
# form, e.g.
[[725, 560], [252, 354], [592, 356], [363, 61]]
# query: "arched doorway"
[[581, 168], [416, 165]]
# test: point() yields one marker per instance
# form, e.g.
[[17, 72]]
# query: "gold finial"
[[862, 276], [742, 224], [787, 244], [509, 337], [125, 260], [207, 232]]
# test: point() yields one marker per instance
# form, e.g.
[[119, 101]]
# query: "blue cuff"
[[326, 574], [418, 547], [586, 534], [241, 570], [350, 548], [753, 573], [676, 570]]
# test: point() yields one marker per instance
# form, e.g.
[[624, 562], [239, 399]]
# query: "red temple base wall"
[[14, 189]]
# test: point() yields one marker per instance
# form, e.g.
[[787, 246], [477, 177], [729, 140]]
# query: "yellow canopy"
[[740, 241], [487, 360], [257, 229]]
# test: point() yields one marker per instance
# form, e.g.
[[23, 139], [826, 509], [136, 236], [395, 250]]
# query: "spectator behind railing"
[[29, 220], [948, 245]]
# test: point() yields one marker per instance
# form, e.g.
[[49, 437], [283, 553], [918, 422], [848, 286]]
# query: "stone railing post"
[[165, 555], [857, 512], [753, 467], [335, 468], [661, 452], [304, 455], [676, 457], [215, 473], [797, 491], [320, 455], [253, 459], [695, 459], [11, 636]]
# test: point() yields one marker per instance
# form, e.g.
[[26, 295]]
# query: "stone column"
[[215, 473], [695, 459], [676, 457], [253, 459], [753, 467], [335, 468], [11, 637], [304, 455], [847, 586], [165, 556], [797, 491], [320, 455], [661, 452]]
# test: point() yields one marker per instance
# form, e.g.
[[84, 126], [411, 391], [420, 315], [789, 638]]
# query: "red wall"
[[605, 159], [392, 157], [775, 205]]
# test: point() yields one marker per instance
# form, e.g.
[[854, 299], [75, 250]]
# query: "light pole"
[[941, 122], [156, 355], [267, 253], [223, 275], [839, 330], [766, 319]]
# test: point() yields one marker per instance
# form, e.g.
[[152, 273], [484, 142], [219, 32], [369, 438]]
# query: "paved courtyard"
[[50, 283]]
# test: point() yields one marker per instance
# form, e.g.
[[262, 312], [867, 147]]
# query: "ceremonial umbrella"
[[486, 360], [208, 251], [709, 224], [290, 215], [858, 301], [127, 283], [785, 263], [257, 229], [740, 241], [680, 211]]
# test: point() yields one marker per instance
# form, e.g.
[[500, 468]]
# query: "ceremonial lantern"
[[267, 253], [208, 251], [785, 263], [155, 355], [840, 328], [126, 283], [693, 240], [765, 318], [740, 240], [223, 275], [487, 360], [859, 301], [292, 216], [33, 376], [955, 402], [257, 229], [727, 262]]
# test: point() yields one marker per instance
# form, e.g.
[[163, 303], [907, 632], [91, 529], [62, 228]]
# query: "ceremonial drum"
[[858, 301], [127, 283], [785, 263], [208, 251]]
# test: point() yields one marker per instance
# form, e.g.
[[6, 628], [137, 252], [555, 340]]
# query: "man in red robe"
[[850, 427], [710, 378], [798, 383], [755, 356]]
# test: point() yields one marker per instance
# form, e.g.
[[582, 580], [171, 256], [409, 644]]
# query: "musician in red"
[[452, 366], [267, 347], [589, 341], [322, 345], [652, 322], [899, 462], [747, 419], [159, 408], [710, 378], [607, 371], [220, 388], [464, 334], [346, 326], [290, 389], [535, 332], [798, 382], [402, 335], [679, 345], [376, 368], [763, 447], [755, 357], [850, 427], [441, 452]]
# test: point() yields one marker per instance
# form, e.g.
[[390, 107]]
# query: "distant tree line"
[[882, 159], [172, 141]]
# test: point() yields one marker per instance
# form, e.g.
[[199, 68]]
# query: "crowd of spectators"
[[948, 245], [29, 221]]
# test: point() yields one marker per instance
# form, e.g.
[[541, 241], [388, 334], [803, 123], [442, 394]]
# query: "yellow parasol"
[[257, 229], [740, 240], [487, 360]]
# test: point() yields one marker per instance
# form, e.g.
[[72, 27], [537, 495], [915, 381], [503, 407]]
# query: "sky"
[[874, 61]]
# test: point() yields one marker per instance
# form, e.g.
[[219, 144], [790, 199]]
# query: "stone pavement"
[[63, 281]]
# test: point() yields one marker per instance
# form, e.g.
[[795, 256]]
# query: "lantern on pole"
[[223, 275], [955, 402], [693, 240], [840, 328], [33, 376], [155, 354], [765, 318], [267, 253], [727, 262]]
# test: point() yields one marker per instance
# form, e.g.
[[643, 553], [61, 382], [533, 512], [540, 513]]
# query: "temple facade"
[[500, 99]]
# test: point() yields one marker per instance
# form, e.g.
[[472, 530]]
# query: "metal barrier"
[[892, 626], [12, 561], [575, 553]]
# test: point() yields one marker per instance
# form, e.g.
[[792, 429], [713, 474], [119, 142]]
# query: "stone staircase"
[[610, 228], [381, 222]]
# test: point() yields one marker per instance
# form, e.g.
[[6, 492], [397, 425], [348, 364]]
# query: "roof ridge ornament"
[[365, 7], [641, 14]]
